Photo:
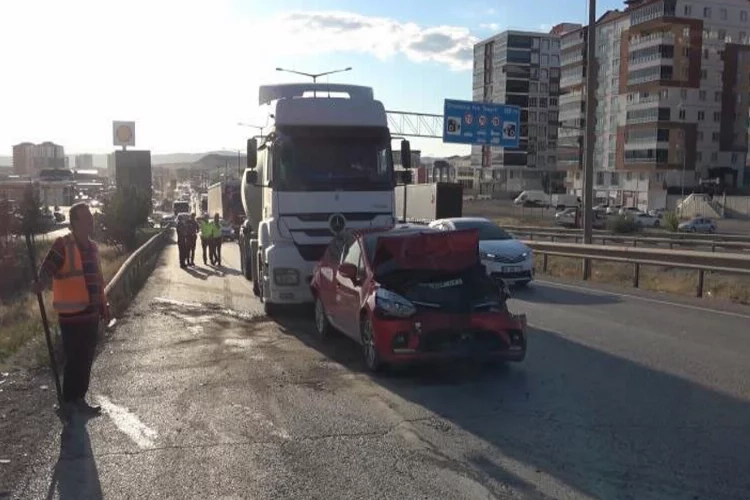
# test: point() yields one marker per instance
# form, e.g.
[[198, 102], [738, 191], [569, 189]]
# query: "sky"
[[187, 71]]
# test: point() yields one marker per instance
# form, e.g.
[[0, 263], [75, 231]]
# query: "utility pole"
[[588, 177]]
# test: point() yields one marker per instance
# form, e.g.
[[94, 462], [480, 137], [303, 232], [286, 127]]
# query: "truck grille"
[[312, 253]]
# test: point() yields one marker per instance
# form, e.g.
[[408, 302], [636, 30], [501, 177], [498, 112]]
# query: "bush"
[[671, 221], [623, 224], [121, 216]]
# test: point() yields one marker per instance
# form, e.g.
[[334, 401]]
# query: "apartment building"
[[84, 162], [30, 159], [522, 69], [671, 98]]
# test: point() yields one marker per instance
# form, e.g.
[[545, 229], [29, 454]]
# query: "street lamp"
[[314, 76]]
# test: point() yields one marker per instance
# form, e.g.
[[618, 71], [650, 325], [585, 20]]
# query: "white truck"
[[325, 166]]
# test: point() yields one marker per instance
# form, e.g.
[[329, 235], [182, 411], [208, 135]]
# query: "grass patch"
[[20, 321], [654, 278]]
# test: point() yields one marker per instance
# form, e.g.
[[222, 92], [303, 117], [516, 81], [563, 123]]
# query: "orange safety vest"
[[69, 291]]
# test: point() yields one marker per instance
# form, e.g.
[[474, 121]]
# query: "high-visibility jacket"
[[206, 230], [215, 230], [69, 291]]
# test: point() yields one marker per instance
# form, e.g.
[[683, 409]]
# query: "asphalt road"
[[620, 397]]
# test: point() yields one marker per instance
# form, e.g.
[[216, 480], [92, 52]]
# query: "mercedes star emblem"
[[337, 223]]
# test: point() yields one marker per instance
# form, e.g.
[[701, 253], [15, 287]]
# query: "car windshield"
[[487, 230], [325, 158]]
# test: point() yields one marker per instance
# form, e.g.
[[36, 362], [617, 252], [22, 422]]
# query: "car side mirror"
[[251, 177], [252, 153], [348, 270]]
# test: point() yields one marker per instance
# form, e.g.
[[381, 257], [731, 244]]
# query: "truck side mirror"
[[251, 177], [405, 154], [403, 177], [252, 153]]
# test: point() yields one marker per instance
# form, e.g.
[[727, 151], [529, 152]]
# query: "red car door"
[[347, 292], [326, 278]]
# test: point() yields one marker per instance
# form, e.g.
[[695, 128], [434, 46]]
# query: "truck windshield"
[[327, 158]]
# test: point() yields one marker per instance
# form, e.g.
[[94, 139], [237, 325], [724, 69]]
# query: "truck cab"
[[325, 166]]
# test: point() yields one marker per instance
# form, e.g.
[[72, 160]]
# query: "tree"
[[121, 216], [30, 212]]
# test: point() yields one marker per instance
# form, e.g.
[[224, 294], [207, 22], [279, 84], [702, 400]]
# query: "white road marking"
[[645, 299], [128, 423]]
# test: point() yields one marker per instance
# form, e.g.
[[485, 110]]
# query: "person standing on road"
[[74, 268], [181, 241], [216, 239], [191, 236], [206, 235]]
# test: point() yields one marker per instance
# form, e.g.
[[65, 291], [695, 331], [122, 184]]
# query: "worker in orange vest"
[[74, 268]]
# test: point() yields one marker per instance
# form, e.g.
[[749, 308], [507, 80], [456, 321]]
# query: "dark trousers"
[[182, 248], [216, 252], [79, 345], [191, 249], [205, 245]]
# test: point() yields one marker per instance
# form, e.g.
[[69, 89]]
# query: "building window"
[[615, 179], [706, 53], [535, 43], [717, 116], [629, 176], [743, 16], [600, 178], [555, 60], [532, 102], [722, 35], [544, 88], [702, 95], [545, 60], [554, 88], [554, 73], [701, 116], [532, 116], [688, 10], [700, 136], [717, 96], [714, 156], [553, 101], [704, 74], [544, 74], [698, 157], [545, 45], [682, 114], [683, 93], [534, 58], [715, 136], [723, 13], [533, 87], [707, 12]]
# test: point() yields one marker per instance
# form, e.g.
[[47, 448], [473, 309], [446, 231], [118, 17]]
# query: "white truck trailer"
[[325, 166]]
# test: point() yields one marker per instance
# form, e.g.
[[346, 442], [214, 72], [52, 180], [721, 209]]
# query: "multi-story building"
[[84, 162], [671, 98], [522, 69], [30, 159]]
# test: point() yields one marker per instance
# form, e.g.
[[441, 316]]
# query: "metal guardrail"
[[600, 232], [681, 259], [134, 271], [635, 241]]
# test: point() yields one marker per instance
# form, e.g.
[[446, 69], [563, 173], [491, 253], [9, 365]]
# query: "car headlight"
[[393, 304], [487, 256], [527, 254]]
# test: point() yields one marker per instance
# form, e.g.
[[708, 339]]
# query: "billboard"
[[483, 123]]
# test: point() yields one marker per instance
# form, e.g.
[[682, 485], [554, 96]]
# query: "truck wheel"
[[254, 268]]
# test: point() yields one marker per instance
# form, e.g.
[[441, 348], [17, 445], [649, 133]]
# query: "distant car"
[[646, 220], [613, 209], [657, 212], [506, 259], [566, 218], [414, 294], [601, 207], [632, 211], [698, 225], [228, 232], [59, 216]]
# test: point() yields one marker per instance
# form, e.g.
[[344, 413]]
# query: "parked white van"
[[563, 201], [533, 198]]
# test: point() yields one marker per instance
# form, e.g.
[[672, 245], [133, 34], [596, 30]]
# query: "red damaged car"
[[412, 294]]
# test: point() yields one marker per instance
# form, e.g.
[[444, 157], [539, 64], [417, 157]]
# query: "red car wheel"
[[369, 351]]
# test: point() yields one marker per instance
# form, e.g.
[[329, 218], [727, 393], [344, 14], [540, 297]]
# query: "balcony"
[[653, 39], [654, 11]]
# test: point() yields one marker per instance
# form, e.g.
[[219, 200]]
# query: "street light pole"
[[588, 177], [314, 76]]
